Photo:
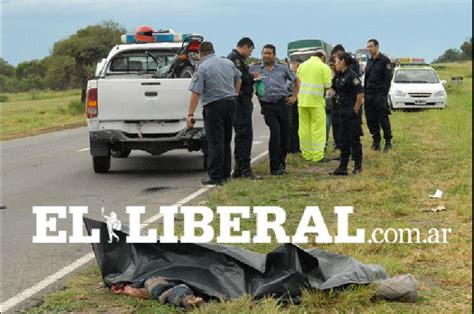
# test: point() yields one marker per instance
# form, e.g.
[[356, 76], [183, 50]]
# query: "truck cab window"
[[134, 62]]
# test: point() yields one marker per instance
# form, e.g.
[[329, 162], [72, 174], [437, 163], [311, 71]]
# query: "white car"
[[417, 87]]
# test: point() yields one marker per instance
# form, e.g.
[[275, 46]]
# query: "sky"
[[404, 28]]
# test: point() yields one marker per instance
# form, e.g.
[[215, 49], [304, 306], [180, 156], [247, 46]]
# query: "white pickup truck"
[[137, 102]]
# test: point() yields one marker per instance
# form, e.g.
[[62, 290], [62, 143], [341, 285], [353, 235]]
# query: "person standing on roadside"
[[275, 99], [378, 77], [243, 112], [349, 98], [315, 77], [216, 83]]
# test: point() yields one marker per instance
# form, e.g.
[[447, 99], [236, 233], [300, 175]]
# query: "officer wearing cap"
[[349, 97], [243, 112], [378, 76], [216, 83], [275, 99]]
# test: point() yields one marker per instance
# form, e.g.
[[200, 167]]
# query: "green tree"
[[466, 49], [449, 55], [32, 74], [6, 69], [61, 73], [87, 47], [30, 69]]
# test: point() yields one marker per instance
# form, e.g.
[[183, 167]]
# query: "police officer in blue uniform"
[[216, 83], [243, 112], [275, 99], [348, 101], [378, 77]]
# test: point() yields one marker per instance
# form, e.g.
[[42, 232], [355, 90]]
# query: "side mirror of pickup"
[[444, 82]]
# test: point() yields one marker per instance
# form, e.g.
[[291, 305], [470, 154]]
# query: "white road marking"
[[28, 293], [257, 142], [264, 136], [22, 296], [84, 149]]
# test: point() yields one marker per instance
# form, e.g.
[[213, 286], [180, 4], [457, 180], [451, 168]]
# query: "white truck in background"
[[139, 99]]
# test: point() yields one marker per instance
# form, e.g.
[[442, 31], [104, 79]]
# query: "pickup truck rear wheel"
[[121, 153], [101, 164]]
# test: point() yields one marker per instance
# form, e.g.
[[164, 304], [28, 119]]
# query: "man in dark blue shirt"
[[243, 112], [378, 77]]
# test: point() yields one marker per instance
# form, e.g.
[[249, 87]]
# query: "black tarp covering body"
[[227, 272]]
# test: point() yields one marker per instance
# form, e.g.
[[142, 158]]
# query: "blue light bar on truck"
[[161, 38]]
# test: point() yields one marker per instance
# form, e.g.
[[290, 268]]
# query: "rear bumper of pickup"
[[102, 141]]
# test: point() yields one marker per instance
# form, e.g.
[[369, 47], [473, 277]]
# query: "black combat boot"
[[237, 171], [388, 146], [210, 182], [357, 167], [376, 145], [341, 170], [247, 173]]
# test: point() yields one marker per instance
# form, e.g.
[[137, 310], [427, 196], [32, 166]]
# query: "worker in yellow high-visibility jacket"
[[315, 77]]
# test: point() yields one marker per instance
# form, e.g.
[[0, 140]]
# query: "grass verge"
[[432, 149], [27, 114]]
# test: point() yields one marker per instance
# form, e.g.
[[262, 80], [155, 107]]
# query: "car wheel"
[[101, 164], [121, 153]]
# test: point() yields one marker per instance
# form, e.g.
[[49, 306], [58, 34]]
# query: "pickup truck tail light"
[[92, 109]]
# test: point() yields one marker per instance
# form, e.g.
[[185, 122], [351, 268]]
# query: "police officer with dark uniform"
[[348, 114], [336, 52], [216, 83], [378, 76], [244, 110]]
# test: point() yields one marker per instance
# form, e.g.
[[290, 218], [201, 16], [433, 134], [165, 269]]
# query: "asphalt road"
[[56, 170]]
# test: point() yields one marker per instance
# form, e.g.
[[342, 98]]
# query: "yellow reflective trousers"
[[312, 132]]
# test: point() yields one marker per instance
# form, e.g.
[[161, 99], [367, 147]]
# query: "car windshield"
[[416, 76], [139, 61]]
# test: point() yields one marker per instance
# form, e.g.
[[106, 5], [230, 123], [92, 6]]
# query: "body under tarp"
[[227, 272]]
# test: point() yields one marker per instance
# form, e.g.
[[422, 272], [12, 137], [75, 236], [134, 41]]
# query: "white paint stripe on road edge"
[[83, 150], [28, 293], [22, 296]]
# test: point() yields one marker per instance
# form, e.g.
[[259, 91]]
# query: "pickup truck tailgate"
[[143, 99]]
